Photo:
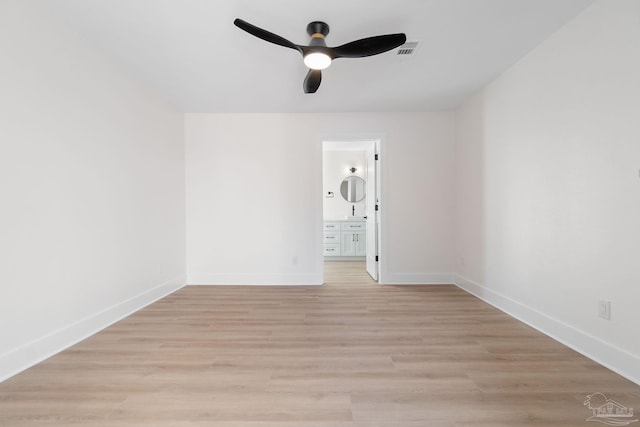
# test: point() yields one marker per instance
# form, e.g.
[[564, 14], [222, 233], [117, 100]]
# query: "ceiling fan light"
[[317, 60]]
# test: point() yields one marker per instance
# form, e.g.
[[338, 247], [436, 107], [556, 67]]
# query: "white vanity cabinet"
[[352, 243], [345, 239], [331, 238]]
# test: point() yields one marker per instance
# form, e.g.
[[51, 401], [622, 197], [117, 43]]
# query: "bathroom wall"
[[335, 168]]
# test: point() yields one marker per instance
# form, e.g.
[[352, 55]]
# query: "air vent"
[[407, 49]]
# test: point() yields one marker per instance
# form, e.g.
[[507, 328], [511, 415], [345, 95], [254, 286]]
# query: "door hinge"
[[376, 207], [377, 156], [376, 258]]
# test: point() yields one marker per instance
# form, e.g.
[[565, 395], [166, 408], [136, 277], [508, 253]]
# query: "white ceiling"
[[189, 51]]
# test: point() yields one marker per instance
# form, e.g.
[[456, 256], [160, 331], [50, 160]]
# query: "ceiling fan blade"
[[312, 81], [369, 46], [265, 35]]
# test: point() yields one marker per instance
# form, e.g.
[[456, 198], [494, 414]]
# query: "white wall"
[[91, 190], [254, 195], [548, 192], [335, 168]]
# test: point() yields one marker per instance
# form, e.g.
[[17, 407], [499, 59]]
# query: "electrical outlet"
[[604, 309]]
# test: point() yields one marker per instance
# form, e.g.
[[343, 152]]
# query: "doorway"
[[351, 194]]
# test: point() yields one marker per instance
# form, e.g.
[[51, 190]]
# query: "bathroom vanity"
[[345, 240]]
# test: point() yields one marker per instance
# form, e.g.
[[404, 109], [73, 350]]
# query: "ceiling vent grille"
[[407, 49]]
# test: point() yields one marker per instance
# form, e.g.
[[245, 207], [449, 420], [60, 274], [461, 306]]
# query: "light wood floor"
[[348, 354]]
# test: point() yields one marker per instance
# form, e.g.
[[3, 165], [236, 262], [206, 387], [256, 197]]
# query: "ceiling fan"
[[317, 56]]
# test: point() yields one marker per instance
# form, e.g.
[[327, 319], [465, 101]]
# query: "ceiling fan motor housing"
[[318, 27]]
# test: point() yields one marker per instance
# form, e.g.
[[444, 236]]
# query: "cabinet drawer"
[[332, 226], [348, 226], [331, 250], [331, 237]]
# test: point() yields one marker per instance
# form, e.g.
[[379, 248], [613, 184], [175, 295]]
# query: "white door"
[[372, 220]]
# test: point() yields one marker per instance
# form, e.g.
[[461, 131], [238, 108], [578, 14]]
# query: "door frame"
[[379, 141]]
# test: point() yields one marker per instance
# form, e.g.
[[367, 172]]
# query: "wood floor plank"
[[351, 353]]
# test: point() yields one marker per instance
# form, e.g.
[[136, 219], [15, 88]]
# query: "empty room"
[[319, 214]]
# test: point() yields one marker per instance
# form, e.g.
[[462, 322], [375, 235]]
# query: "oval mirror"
[[353, 189]]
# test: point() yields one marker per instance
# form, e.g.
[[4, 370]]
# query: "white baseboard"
[[415, 278], [344, 258], [602, 352], [255, 279], [24, 357]]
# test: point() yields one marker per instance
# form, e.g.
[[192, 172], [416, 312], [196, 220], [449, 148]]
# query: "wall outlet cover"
[[604, 309]]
